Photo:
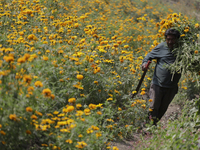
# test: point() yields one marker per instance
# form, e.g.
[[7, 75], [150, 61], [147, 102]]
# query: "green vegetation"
[[67, 69]]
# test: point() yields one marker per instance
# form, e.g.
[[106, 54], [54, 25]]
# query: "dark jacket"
[[162, 76]]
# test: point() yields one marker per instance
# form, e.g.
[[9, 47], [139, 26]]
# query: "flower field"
[[67, 69]]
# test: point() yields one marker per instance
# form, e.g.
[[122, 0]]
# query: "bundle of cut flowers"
[[188, 49]]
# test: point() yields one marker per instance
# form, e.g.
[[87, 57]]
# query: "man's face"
[[171, 41]]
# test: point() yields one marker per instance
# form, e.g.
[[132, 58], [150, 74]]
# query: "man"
[[164, 84]]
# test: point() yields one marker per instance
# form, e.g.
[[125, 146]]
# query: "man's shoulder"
[[161, 46]]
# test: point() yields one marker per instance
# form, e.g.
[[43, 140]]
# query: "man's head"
[[171, 36]]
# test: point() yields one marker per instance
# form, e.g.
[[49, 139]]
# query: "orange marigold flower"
[[8, 58], [69, 141], [3, 142], [99, 112], [78, 106], [44, 145], [143, 106], [150, 109], [72, 100], [45, 58], [38, 113], [21, 60], [79, 76], [115, 148], [38, 84], [196, 51], [27, 78], [81, 144], [52, 96], [34, 117], [70, 108], [47, 92], [126, 46], [95, 82], [2, 132], [29, 109], [196, 25], [13, 117], [28, 132], [119, 109], [30, 88], [150, 100], [142, 93], [92, 106]]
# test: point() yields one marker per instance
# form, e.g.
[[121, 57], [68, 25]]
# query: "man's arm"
[[154, 54]]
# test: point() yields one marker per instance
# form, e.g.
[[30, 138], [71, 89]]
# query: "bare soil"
[[172, 113]]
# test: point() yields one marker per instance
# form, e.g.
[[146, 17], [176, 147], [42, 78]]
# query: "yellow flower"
[[143, 106], [13, 117], [126, 46], [55, 112], [115, 148], [80, 135], [134, 92], [150, 100], [21, 60], [92, 106], [28, 132], [99, 112], [142, 93], [79, 113], [150, 109], [29, 109], [89, 130], [34, 117], [2, 132], [79, 76], [52, 96], [196, 25], [38, 113], [30, 88], [95, 82], [186, 30], [182, 35], [196, 51], [8, 58], [110, 99], [3, 142], [38, 84], [98, 134], [0, 126], [45, 58], [119, 109], [69, 141], [81, 144], [27, 79], [72, 100], [47, 92], [70, 108], [78, 106], [87, 111], [76, 25]]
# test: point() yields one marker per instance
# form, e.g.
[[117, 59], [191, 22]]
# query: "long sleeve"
[[162, 76]]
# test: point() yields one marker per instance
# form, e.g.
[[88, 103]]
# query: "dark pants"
[[161, 97]]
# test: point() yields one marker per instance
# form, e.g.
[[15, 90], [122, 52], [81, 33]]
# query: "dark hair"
[[172, 32]]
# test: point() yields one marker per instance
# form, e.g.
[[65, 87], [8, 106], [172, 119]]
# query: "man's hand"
[[144, 68]]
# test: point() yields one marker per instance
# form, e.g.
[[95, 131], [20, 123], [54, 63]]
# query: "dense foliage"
[[67, 69]]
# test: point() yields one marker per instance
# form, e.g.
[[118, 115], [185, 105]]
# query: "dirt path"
[[172, 113]]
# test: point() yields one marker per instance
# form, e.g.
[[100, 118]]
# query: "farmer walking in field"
[[164, 85]]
